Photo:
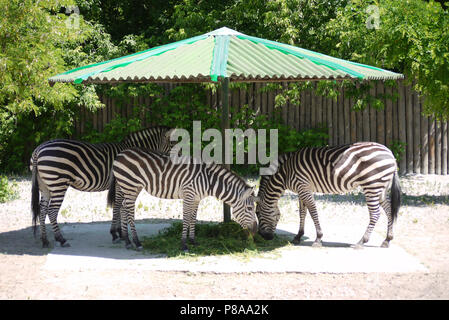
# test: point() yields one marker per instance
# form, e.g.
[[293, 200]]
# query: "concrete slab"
[[92, 249]]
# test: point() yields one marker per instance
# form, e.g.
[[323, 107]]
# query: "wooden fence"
[[426, 140]]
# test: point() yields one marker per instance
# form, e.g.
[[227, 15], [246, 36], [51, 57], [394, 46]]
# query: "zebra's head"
[[244, 210], [268, 217]]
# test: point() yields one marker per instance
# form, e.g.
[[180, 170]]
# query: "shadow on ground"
[[92, 240], [359, 198]]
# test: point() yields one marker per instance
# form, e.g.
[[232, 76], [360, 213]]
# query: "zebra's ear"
[[245, 194], [169, 132]]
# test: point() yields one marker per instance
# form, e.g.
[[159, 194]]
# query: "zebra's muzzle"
[[266, 234], [254, 228]]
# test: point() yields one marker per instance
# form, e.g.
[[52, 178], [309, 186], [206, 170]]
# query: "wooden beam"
[[225, 125]]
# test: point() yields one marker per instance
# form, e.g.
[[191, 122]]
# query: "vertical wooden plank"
[[388, 118], [324, 111], [264, 98], [444, 150], [257, 97], [318, 107], [395, 122], [381, 116], [353, 120], [296, 109], [373, 113], [347, 118], [402, 125], [302, 112], [366, 124], [438, 142], [335, 122], [312, 109], [94, 117], [270, 103], [409, 122], [148, 114], [359, 120], [306, 109], [330, 123], [424, 145], [341, 117], [416, 133], [431, 146]]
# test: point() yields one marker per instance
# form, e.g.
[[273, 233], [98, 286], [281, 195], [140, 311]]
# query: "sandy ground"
[[422, 230]]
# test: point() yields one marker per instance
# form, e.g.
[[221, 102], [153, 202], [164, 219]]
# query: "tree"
[[410, 36], [36, 42]]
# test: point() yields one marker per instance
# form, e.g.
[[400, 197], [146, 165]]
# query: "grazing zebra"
[[339, 169], [59, 164], [154, 172]]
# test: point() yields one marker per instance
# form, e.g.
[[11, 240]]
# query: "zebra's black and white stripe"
[[59, 164], [135, 170], [333, 170]]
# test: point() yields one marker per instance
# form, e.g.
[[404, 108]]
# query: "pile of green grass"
[[212, 239]]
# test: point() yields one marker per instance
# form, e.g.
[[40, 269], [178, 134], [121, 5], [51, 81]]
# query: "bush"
[[8, 190]]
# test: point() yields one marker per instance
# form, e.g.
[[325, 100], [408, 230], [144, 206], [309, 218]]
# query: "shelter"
[[223, 55]]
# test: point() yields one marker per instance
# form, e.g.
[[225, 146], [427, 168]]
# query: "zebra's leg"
[[189, 209], [42, 215], [306, 197], [385, 204], [129, 206], [53, 209], [116, 221], [124, 225], [372, 201], [302, 217], [192, 224]]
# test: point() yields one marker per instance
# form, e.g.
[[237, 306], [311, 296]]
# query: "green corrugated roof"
[[223, 53]]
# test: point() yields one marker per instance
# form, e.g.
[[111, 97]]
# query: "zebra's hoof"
[[46, 244], [296, 241], [139, 248], [116, 240], [359, 246], [65, 245], [317, 244], [385, 244], [129, 246]]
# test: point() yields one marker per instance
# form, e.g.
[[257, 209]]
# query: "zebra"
[[59, 164], [135, 170], [333, 170]]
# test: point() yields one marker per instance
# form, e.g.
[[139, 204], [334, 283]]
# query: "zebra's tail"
[[111, 192], [35, 208], [395, 196]]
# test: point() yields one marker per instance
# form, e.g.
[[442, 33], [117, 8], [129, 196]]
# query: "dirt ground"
[[422, 230]]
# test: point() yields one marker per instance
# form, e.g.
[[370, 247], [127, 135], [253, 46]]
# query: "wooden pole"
[[225, 125]]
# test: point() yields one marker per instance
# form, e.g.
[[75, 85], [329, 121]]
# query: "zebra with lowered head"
[[333, 170], [59, 164], [135, 170]]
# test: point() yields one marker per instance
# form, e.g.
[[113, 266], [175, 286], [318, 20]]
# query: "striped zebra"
[[59, 164], [135, 170], [333, 170]]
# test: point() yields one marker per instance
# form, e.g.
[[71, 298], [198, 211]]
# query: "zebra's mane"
[[216, 168], [145, 130], [266, 178]]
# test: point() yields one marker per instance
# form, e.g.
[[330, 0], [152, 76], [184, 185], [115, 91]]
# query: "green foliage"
[[8, 190], [412, 38], [398, 149], [36, 42], [212, 239]]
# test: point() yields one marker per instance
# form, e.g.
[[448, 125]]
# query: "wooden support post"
[[225, 125]]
